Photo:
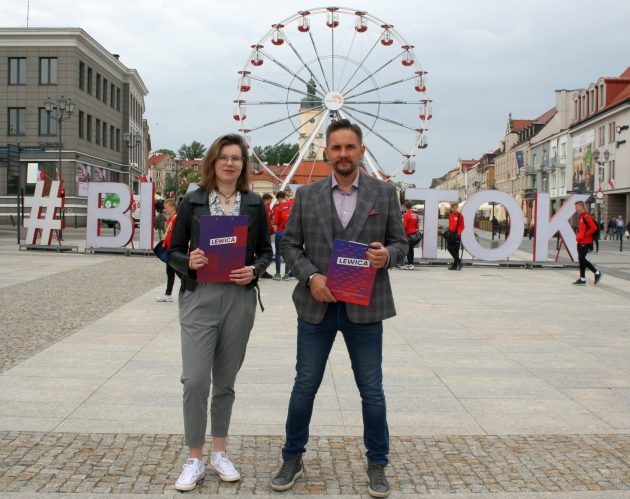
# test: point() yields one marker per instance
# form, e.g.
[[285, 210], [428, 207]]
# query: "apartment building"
[[66, 101]]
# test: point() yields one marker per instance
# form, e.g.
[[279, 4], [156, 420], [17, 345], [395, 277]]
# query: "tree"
[[192, 151], [170, 152], [277, 155]]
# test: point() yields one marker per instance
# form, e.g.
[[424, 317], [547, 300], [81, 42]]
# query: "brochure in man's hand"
[[224, 241], [350, 276]]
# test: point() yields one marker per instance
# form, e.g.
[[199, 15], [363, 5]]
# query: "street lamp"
[[64, 109], [132, 140], [600, 167]]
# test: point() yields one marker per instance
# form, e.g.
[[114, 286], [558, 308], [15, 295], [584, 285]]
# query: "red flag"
[[42, 175], [611, 183]]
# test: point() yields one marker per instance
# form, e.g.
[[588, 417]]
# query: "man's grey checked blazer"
[[308, 241]]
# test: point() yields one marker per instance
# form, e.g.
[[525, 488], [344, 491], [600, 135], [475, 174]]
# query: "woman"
[[216, 318]]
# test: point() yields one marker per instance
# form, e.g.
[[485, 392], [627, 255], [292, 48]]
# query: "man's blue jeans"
[[365, 347]]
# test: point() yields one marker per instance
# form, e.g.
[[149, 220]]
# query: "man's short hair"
[[344, 125], [281, 195], [266, 196], [170, 202], [407, 204], [579, 203]]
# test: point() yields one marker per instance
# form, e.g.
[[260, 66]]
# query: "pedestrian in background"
[[170, 215], [454, 237], [412, 231], [357, 207], [279, 219], [584, 239], [216, 318], [267, 198], [611, 229], [596, 235], [620, 226]]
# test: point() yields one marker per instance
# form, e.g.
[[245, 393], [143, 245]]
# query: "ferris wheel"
[[326, 64]]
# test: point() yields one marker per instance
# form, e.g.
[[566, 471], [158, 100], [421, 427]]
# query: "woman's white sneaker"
[[222, 465], [193, 472]]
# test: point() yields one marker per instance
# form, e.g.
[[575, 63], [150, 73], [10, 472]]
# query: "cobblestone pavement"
[[149, 464], [36, 314]]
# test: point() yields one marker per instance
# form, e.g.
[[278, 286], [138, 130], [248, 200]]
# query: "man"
[[584, 238], [170, 211], [356, 207], [454, 236]]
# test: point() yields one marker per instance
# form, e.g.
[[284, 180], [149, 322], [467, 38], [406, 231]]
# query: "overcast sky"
[[485, 58]]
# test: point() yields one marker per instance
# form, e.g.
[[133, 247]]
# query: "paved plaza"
[[500, 382]]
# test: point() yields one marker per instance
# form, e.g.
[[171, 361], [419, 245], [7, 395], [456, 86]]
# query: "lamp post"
[[64, 109], [598, 181], [132, 140]]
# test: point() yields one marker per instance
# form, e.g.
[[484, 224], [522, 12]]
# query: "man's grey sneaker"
[[222, 466], [277, 277], [598, 276], [378, 486], [286, 277], [580, 282], [167, 298], [192, 473], [290, 471]]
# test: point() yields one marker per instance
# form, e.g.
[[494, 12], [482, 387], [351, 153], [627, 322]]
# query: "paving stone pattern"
[[39, 313], [149, 464]]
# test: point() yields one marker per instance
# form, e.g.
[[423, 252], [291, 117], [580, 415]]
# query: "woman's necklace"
[[226, 199]]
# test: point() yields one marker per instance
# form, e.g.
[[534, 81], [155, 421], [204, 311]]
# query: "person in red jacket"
[[455, 229], [267, 198], [584, 238], [410, 224], [279, 218], [170, 210]]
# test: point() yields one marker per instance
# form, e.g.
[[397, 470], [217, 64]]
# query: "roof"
[[546, 116], [189, 163], [517, 125], [155, 159], [308, 172], [617, 92]]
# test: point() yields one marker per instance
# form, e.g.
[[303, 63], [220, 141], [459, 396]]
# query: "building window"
[[89, 81], [47, 70], [17, 121], [117, 139], [88, 131], [112, 95], [601, 95], [98, 86], [81, 123], [97, 132], [105, 90], [611, 132], [611, 170], [17, 70], [118, 99], [82, 75], [104, 134], [563, 150], [111, 137], [47, 123]]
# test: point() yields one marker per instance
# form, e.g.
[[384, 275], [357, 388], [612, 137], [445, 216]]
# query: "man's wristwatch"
[[255, 271], [310, 278]]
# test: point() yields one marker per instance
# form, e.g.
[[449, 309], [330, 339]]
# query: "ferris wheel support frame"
[[305, 148]]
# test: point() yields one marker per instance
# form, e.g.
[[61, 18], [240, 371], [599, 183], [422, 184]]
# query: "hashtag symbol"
[[46, 206]]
